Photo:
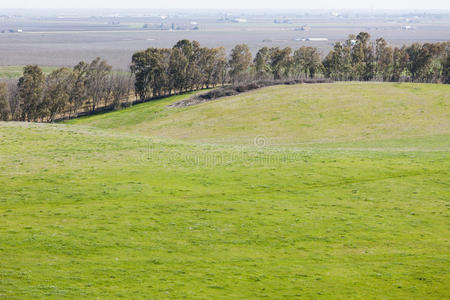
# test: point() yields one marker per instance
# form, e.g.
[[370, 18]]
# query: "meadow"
[[307, 191], [15, 72]]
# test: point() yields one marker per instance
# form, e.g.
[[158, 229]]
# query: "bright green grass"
[[14, 72], [112, 212]]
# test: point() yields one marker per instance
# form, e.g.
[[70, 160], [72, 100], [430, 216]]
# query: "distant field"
[[14, 72], [348, 199], [51, 40]]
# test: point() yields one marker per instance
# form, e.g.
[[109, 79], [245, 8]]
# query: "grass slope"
[[290, 115], [109, 211]]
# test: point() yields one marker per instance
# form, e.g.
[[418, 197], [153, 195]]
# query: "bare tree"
[[120, 88], [97, 73], [57, 93], [4, 103]]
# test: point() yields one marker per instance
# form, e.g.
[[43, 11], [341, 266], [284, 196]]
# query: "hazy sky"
[[230, 4]]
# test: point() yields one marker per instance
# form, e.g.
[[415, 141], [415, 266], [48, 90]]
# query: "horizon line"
[[223, 8]]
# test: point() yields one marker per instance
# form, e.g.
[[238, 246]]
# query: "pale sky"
[[230, 4]]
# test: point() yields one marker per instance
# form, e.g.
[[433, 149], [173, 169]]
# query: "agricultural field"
[[14, 72], [65, 37], [304, 191]]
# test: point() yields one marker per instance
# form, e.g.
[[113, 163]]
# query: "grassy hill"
[[152, 202], [292, 115]]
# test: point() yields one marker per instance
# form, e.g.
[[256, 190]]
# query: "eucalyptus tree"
[[262, 63], [384, 57], [400, 60], [220, 66], [280, 62], [141, 67], [78, 90], [363, 57], [30, 91], [57, 93], [306, 62], [178, 65], [240, 62], [337, 64]]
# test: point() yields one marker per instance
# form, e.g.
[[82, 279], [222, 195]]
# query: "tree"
[[159, 79], [445, 61], [138, 67], [57, 93], [178, 65], [192, 77], [120, 85], [13, 100], [400, 62], [262, 63], [240, 62], [185, 67], [337, 64], [446, 71], [307, 62], [280, 62], [419, 61], [96, 75], [220, 66], [362, 57], [195, 75], [435, 68], [154, 72], [384, 59], [78, 89], [4, 103], [30, 91]]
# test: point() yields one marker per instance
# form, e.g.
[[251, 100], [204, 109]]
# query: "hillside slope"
[[101, 208], [290, 115]]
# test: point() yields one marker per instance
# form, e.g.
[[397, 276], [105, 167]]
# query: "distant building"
[[303, 28], [19, 30], [232, 20], [240, 20], [407, 27], [312, 39], [285, 21]]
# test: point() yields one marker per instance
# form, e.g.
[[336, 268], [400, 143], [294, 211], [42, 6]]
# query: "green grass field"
[[345, 194], [14, 72]]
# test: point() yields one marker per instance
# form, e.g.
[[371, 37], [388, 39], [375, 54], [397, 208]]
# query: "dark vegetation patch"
[[232, 90]]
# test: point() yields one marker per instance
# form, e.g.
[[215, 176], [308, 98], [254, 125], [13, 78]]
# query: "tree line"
[[187, 66], [64, 92]]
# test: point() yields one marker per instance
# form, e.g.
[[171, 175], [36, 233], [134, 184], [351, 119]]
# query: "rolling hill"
[[294, 115], [309, 191]]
